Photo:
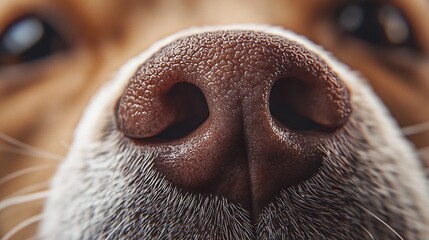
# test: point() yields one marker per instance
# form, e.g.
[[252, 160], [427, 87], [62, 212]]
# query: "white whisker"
[[367, 232], [27, 222], [24, 172], [25, 146], [114, 230], [415, 129], [381, 221], [30, 153], [29, 189], [9, 202]]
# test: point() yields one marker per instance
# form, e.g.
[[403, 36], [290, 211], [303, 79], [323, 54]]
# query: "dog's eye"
[[376, 23], [28, 39]]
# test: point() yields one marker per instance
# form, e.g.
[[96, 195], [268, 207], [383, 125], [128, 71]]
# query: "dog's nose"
[[238, 114]]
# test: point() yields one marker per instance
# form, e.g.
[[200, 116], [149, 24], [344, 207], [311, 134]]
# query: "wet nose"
[[237, 114]]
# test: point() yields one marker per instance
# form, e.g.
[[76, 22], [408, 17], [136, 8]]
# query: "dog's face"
[[43, 93]]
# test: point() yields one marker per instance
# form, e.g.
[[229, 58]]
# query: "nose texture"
[[238, 114]]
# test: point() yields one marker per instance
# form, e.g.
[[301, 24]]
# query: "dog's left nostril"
[[306, 105]]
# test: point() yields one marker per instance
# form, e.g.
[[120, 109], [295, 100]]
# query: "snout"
[[237, 114], [237, 132]]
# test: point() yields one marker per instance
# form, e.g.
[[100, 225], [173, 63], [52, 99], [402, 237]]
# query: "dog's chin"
[[109, 187]]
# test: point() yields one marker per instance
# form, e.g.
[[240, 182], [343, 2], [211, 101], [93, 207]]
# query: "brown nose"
[[236, 114]]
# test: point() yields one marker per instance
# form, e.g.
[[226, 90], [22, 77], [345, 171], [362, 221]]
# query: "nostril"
[[166, 115], [304, 106], [283, 102], [191, 110]]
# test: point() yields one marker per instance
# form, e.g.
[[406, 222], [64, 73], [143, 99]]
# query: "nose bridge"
[[231, 66], [237, 72]]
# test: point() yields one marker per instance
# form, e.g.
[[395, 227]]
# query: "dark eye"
[[376, 23], [28, 39]]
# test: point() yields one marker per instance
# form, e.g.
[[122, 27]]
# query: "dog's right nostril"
[[306, 105], [172, 113], [191, 110]]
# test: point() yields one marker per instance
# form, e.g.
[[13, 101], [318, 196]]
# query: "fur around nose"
[[237, 114]]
